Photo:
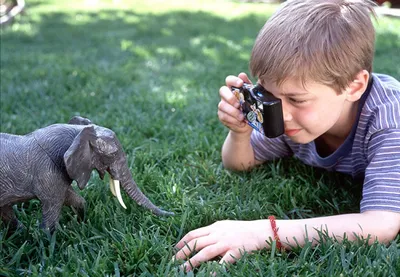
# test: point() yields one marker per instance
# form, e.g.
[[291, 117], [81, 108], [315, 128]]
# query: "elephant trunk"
[[120, 174], [136, 194]]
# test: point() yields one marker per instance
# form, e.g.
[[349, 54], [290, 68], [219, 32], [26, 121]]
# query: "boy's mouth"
[[291, 132]]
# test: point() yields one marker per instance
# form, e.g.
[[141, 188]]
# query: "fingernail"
[[240, 117], [237, 105]]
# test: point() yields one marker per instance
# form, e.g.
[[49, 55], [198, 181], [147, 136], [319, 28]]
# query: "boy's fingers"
[[230, 121], [228, 109], [182, 254], [195, 245], [243, 76], [229, 257], [204, 255], [204, 231], [228, 96], [233, 81]]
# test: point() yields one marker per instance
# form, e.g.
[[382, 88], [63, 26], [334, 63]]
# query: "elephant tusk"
[[118, 192], [112, 187]]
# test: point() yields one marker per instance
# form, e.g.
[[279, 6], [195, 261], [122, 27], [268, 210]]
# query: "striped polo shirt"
[[371, 151]]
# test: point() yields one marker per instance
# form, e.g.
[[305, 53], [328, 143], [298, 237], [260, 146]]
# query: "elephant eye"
[[106, 147]]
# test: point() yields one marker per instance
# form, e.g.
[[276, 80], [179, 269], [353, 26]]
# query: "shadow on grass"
[[102, 64], [119, 37], [76, 63]]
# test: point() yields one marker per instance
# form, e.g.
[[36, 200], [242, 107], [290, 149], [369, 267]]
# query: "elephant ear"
[[78, 120], [78, 157]]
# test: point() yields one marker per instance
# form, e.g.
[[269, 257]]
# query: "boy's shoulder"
[[385, 82], [382, 104]]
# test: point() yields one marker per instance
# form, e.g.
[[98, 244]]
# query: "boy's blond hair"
[[326, 41]]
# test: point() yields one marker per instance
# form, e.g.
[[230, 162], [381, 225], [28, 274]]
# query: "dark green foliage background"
[[150, 71]]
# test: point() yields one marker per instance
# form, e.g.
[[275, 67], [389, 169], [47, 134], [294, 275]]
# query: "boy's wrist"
[[265, 233], [240, 137]]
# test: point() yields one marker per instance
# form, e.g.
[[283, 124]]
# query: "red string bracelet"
[[275, 230]]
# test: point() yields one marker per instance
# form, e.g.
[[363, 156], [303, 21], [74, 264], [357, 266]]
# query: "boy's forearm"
[[237, 152], [380, 225]]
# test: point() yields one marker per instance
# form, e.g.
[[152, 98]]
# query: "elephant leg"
[[50, 214], [76, 202], [8, 217]]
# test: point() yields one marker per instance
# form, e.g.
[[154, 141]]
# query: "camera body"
[[262, 110]]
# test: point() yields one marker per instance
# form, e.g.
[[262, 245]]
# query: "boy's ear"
[[358, 86]]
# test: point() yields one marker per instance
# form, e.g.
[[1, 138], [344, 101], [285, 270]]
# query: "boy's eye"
[[297, 101]]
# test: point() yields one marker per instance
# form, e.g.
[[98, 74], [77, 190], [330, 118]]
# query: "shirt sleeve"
[[381, 189], [266, 149]]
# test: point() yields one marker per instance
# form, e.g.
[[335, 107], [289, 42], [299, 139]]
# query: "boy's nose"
[[287, 115]]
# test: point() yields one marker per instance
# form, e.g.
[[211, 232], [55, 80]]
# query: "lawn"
[[150, 71]]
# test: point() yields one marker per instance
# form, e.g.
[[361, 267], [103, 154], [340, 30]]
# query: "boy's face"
[[311, 111]]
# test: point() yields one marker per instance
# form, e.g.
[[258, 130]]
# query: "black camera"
[[261, 109]]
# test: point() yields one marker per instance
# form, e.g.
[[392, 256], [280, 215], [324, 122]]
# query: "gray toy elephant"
[[44, 163]]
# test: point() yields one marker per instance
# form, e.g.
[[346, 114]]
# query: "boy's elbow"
[[234, 167], [387, 225], [387, 235]]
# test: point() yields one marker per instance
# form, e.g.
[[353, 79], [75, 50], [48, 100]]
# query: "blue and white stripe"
[[371, 151]]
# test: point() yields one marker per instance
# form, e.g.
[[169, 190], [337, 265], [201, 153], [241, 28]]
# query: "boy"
[[316, 56]]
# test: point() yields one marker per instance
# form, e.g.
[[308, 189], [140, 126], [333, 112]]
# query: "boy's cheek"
[[307, 118]]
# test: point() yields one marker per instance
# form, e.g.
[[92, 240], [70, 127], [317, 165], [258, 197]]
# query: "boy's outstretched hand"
[[228, 239], [228, 108]]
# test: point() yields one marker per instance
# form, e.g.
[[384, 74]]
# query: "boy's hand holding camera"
[[237, 151], [229, 112], [260, 108]]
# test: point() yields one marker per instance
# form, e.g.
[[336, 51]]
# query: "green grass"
[[151, 72]]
